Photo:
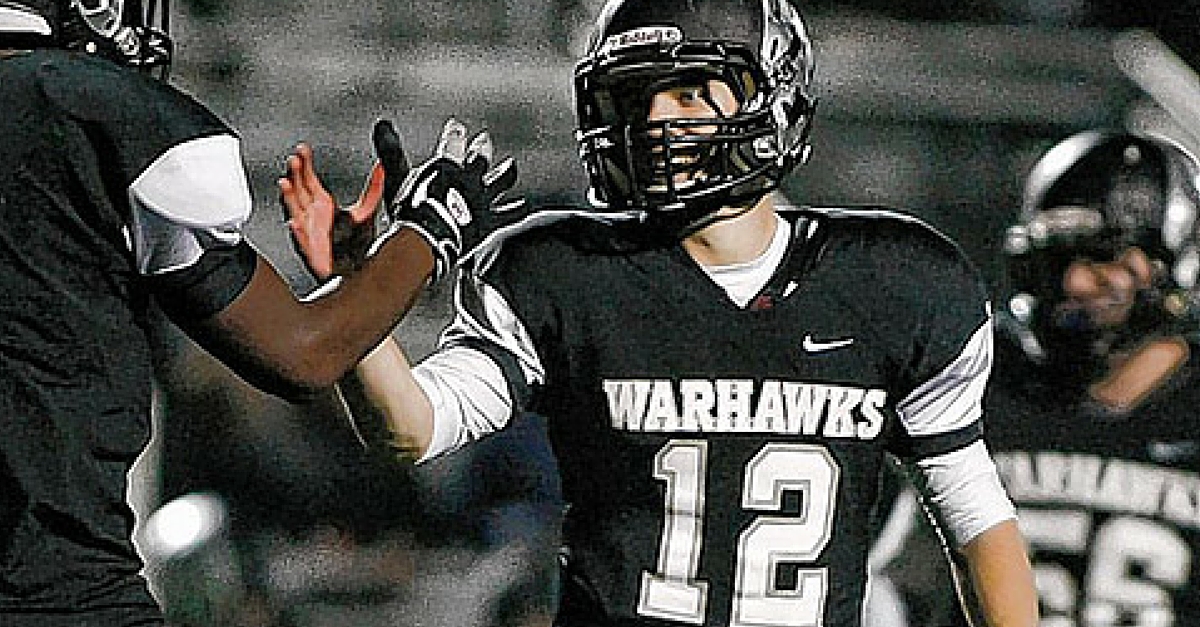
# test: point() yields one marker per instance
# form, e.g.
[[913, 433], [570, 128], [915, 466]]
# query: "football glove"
[[454, 200]]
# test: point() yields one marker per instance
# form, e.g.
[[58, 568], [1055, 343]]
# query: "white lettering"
[[805, 405], [872, 403], [745, 406], [769, 414], [733, 403], [697, 401], [1103, 484], [840, 422], [642, 36], [662, 410], [627, 403]]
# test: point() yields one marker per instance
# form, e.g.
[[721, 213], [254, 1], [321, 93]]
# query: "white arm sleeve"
[[469, 395], [470, 392], [193, 197], [964, 491]]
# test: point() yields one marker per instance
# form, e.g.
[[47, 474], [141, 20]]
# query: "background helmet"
[[760, 48], [1092, 196], [126, 31]]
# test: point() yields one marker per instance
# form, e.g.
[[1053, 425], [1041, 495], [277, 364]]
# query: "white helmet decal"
[[783, 29], [102, 16]]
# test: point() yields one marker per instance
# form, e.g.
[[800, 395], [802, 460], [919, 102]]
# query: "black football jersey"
[[720, 461], [81, 265], [1110, 506]]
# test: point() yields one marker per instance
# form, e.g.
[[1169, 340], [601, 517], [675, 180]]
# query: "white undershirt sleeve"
[[469, 395], [194, 197], [964, 491]]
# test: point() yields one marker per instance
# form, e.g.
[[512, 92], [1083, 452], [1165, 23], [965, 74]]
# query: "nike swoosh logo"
[[813, 346], [1174, 452]]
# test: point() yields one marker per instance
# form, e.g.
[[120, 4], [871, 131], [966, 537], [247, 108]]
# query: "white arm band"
[[964, 490]]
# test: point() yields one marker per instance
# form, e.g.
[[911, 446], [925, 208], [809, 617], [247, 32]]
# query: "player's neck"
[[734, 240]]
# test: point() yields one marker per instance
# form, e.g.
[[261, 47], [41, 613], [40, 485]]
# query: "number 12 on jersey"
[[674, 592]]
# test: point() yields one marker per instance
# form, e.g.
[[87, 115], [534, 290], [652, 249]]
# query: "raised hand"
[[331, 240], [454, 199]]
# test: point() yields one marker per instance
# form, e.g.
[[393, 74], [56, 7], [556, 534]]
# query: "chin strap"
[[712, 218]]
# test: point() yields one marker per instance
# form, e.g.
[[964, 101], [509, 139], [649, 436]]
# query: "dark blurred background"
[[261, 513]]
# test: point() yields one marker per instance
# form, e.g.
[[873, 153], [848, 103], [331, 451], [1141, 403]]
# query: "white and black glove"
[[454, 199]]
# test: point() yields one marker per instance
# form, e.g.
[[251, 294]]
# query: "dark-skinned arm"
[[294, 349]]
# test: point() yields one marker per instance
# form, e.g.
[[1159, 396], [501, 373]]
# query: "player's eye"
[[691, 95]]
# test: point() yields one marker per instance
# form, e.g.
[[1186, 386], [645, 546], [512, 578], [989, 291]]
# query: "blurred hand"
[[453, 200]]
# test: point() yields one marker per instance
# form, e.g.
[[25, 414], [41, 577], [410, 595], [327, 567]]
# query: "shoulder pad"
[[134, 118], [90, 89], [97, 90]]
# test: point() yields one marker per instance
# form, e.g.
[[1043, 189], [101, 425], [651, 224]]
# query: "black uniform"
[[82, 262], [1110, 505], [720, 462]]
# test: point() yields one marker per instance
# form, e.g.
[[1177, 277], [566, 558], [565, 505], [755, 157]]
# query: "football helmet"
[[1093, 196], [675, 174], [126, 31]]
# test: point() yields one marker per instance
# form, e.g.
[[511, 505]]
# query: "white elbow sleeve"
[[469, 396], [964, 491]]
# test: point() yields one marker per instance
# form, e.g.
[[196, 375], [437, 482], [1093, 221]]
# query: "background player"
[[1092, 413], [121, 195], [722, 373]]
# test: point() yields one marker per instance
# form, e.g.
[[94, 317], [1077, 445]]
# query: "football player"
[[119, 191], [1094, 409], [722, 372], [1092, 414]]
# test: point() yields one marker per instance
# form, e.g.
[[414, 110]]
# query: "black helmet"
[[1093, 196], [759, 48], [125, 31]]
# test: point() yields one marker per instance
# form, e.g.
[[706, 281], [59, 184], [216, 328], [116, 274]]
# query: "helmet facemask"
[[682, 168], [1073, 338]]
